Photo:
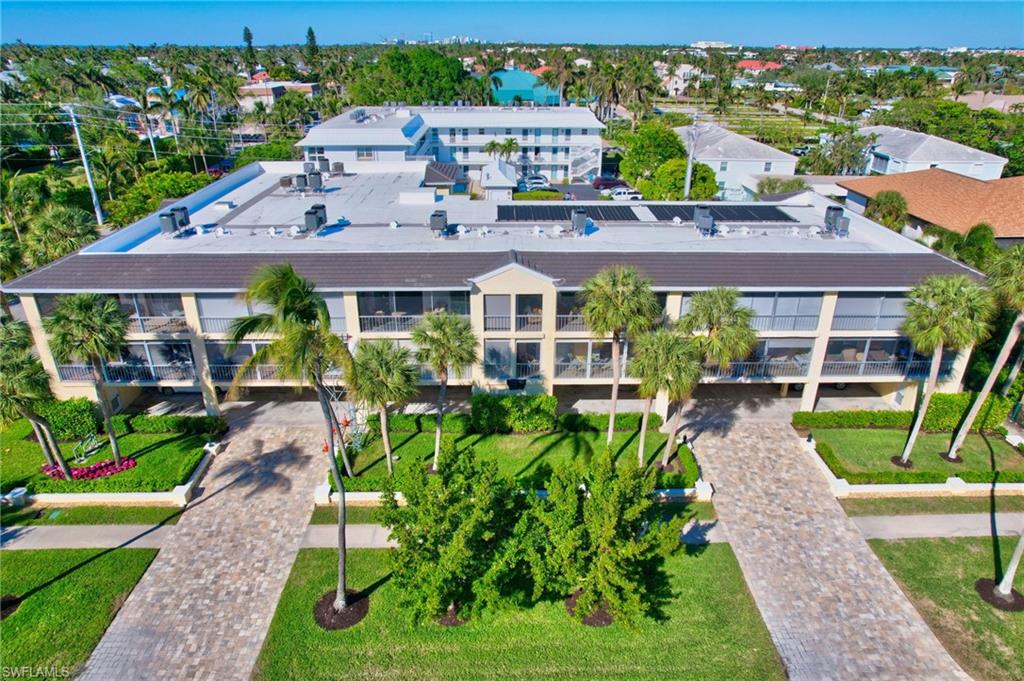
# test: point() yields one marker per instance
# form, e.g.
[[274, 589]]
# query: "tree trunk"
[[929, 388], [386, 437], [5, 305], [442, 393], [1014, 372], [44, 444], [342, 450], [643, 431], [616, 376], [1004, 354], [108, 425], [51, 450], [1005, 588], [673, 431], [340, 600]]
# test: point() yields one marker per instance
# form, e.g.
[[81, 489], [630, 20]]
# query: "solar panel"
[[563, 213], [665, 213], [662, 213]]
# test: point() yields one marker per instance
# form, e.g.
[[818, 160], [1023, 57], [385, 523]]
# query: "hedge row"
[[598, 423], [513, 413], [171, 423], [453, 424], [71, 419], [900, 476], [537, 195], [945, 413], [462, 424]]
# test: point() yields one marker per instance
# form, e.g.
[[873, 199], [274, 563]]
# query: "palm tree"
[[303, 347], [384, 374], [722, 326], [942, 312], [23, 384], [618, 301], [20, 198], [683, 370], [445, 342], [91, 326], [662, 360], [12, 264], [56, 232], [493, 148], [1006, 280]]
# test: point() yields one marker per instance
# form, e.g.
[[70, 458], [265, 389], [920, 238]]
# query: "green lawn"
[[164, 461], [712, 631], [526, 457], [91, 515], [939, 576], [71, 595], [929, 505], [862, 456], [328, 515]]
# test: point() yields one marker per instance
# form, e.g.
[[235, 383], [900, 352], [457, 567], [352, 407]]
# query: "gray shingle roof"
[[229, 272]]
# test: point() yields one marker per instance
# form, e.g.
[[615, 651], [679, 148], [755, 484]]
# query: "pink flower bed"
[[100, 469]]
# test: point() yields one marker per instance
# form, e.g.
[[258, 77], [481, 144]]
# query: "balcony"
[[225, 373], [757, 369], [506, 370], [497, 322], [570, 323], [157, 325], [899, 368], [867, 322], [223, 325], [580, 368], [129, 373], [396, 322], [785, 323], [529, 322]]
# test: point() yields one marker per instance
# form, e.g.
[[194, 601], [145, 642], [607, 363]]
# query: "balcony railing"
[[867, 322], [129, 373], [503, 370], [157, 325], [225, 373], [529, 322], [785, 323], [570, 322], [917, 368], [762, 368], [497, 322], [581, 368], [388, 323], [222, 324]]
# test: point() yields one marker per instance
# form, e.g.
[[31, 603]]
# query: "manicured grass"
[[71, 595], [939, 576], [91, 515], [711, 630], [164, 461], [527, 457], [862, 455], [929, 505], [328, 515]]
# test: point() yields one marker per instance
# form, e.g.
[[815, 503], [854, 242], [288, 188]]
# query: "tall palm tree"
[[445, 342], [683, 369], [12, 264], [1006, 280], [721, 325], [303, 347], [23, 384], [384, 374], [57, 231], [618, 301], [20, 198], [90, 326], [942, 312]]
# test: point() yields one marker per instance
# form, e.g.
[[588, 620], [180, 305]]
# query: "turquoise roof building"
[[524, 85]]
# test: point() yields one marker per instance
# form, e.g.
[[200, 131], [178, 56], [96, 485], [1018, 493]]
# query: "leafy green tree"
[[978, 247], [58, 231], [416, 75], [249, 55], [446, 343], [1006, 280], [92, 327], [12, 263], [844, 154], [592, 536], [21, 197], [384, 374], [703, 183], [23, 384], [303, 348], [278, 150], [618, 301], [450, 534], [311, 50], [777, 185], [145, 196], [648, 149], [720, 326], [943, 312], [888, 208]]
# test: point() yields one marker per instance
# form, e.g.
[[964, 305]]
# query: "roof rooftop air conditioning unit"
[[308, 167], [300, 182], [321, 210], [311, 220], [579, 221], [181, 216], [168, 223], [323, 165], [832, 216], [338, 168], [316, 181], [439, 222], [285, 182]]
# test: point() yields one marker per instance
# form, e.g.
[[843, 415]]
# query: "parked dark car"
[[608, 183]]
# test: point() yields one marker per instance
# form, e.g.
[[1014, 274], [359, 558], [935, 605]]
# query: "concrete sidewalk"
[[938, 525], [26, 537]]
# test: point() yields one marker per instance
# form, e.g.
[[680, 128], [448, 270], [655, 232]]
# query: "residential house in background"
[[735, 158], [979, 100], [955, 202], [900, 151], [269, 91], [676, 82], [757, 66]]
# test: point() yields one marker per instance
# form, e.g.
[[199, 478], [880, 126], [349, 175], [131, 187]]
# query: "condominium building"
[[557, 142], [827, 289]]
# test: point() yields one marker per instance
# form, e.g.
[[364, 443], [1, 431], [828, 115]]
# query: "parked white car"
[[626, 194]]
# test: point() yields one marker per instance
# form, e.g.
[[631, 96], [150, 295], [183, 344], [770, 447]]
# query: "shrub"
[[853, 419], [513, 413], [178, 423], [945, 413], [453, 424], [537, 195], [598, 423], [71, 419]]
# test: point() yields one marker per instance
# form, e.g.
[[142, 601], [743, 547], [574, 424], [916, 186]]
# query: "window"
[[497, 312], [365, 154], [314, 153], [767, 166], [526, 133], [480, 131], [508, 131], [782, 311], [584, 131], [433, 134], [498, 359], [568, 134], [723, 166], [465, 134], [451, 136], [465, 153], [869, 311]]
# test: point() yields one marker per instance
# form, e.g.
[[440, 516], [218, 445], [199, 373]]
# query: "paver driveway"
[[831, 608], [202, 609]]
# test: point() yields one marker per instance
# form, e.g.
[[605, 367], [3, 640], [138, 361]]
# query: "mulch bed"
[[451, 618], [675, 465], [599, 618], [8, 604], [986, 588], [330, 619], [898, 461]]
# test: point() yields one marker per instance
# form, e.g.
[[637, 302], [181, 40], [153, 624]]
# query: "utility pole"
[[692, 135], [149, 133], [85, 164]]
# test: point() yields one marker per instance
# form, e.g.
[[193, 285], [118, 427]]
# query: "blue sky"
[[843, 23]]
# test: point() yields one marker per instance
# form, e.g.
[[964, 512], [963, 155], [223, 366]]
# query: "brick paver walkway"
[[831, 608], [202, 609]]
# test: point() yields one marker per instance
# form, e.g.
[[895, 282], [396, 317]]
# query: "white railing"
[[917, 368], [216, 324], [529, 322], [74, 372], [503, 370], [765, 368], [129, 373], [570, 322], [222, 373], [581, 368], [157, 325], [497, 322], [785, 323], [867, 322]]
